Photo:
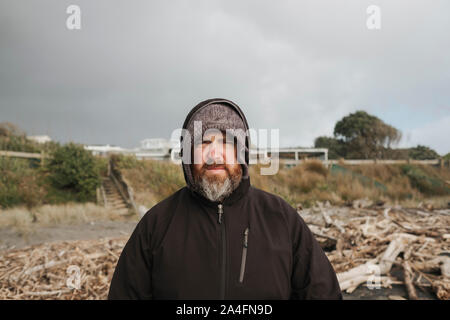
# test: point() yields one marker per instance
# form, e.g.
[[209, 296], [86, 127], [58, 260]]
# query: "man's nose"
[[215, 152]]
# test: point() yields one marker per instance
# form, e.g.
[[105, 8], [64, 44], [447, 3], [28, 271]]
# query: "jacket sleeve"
[[132, 276], [313, 276]]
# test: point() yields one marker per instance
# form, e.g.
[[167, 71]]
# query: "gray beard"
[[217, 190]]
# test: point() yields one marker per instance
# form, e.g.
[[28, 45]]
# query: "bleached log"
[[393, 250], [326, 217], [384, 282], [329, 221], [46, 293], [418, 231], [351, 284], [442, 289], [445, 266], [396, 298], [408, 275], [318, 232], [409, 237], [362, 273], [361, 270], [338, 225], [386, 213], [44, 266], [429, 266], [352, 278]]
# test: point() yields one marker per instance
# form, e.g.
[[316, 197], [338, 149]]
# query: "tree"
[[73, 168], [422, 153], [14, 139], [365, 136], [336, 148], [9, 129]]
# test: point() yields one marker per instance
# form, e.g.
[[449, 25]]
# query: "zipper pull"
[[220, 207], [246, 238]]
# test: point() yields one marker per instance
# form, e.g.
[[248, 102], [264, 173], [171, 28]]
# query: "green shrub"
[[102, 164], [125, 161], [14, 139], [423, 153], [423, 182], [19, 183], [18, 143], [74, 169]]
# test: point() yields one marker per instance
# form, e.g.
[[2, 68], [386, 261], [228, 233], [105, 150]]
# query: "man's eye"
[[206, 142]]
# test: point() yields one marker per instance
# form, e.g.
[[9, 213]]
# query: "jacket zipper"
[[220, 207], [244, 255], [224, 252]]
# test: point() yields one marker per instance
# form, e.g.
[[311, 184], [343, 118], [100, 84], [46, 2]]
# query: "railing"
[[16, 154], [124, 188], [434, 162], [101, 196]]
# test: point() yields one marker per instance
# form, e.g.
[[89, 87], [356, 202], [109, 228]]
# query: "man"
[[219, 237]]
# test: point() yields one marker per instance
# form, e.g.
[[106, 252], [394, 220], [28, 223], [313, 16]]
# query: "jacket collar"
[[237, 194]]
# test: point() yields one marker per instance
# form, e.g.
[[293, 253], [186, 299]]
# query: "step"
[[120, 207], [115, 199], [116, 203], [113, 194]]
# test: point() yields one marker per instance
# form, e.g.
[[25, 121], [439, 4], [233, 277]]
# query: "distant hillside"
[[154, 180]]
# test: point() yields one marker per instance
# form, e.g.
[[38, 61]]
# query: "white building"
[[104, 150], [40, 139], [156, 148], [164, 149]]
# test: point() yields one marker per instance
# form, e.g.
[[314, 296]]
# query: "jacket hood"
[[188, 176]]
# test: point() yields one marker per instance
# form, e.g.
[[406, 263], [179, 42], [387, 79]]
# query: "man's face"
[[217, 172]]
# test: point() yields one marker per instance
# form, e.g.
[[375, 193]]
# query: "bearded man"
[[219, 237]]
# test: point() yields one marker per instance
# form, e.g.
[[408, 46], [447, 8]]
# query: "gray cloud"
[[136, 68]]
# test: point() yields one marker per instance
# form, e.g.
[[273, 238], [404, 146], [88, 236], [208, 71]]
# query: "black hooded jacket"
[[257, 248]]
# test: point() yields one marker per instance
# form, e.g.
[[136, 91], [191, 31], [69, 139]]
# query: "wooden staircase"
[[113, 198]]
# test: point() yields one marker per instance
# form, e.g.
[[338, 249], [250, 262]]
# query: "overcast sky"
[[136, 68]]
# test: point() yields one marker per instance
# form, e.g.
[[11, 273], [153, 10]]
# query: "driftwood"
[[43, 271], [445, 266], [408, 276], [370, 240], [362, 243], [374, 268], [330, 222]]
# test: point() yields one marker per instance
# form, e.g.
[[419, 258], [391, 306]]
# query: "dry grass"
[[311, 181], [307, 183], [351, 189], [434, 202], [153, 180], [397, 184], [300, 184], [314, 166], [22, 219]]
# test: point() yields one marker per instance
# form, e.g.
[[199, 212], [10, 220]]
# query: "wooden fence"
[[350, 162], [287, 162], [27, 155]]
